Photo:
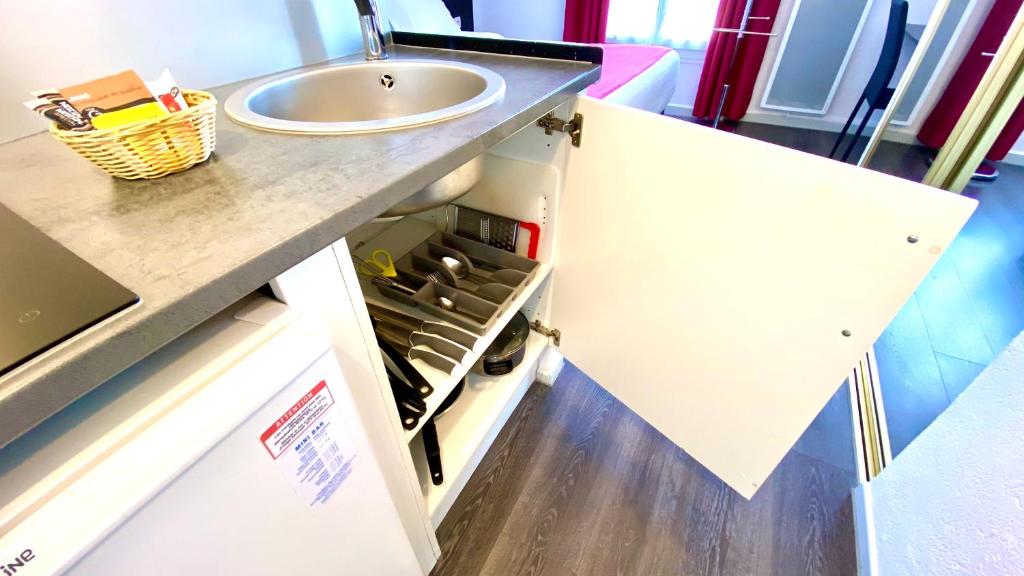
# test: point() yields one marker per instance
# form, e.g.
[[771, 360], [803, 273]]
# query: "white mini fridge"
[[236, 449]]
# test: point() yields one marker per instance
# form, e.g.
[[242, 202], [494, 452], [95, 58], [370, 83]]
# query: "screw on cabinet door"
[[847, 333], [913, 238]]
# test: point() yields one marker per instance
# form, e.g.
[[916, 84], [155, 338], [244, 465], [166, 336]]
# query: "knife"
[[401, 320], [433, 341], [431, 358]]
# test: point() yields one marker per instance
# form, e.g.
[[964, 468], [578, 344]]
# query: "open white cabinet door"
[[722, 287]]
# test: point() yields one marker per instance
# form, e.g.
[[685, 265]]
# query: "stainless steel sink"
[[365, 96]]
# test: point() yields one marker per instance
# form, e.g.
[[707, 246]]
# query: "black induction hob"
[[47, 294]]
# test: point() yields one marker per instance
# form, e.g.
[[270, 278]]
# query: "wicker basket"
[[151, 148]]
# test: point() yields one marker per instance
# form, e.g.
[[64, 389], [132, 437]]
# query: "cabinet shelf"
[[468, 429], [398, 240], [443, 383]]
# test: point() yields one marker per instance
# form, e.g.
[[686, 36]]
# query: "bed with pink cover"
[[637, 75], [632, 74]]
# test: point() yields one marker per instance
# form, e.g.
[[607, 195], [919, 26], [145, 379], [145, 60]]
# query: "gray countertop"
[[193, 243]]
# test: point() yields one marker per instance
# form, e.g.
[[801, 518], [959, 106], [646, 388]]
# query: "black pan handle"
[[410, 406], [433, 450], [404, 393]]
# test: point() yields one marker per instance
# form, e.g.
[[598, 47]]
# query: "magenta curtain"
[[721, 68], [586, 21], [961, 87]]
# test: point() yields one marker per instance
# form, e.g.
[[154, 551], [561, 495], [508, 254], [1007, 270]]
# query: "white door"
[[722, 287]]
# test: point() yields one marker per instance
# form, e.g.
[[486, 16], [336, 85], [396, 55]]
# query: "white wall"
[[1016, 155], [204, 43], [544, 20], [919, 11], [521, 19], [862, 63], [691, 62], [953, 501]]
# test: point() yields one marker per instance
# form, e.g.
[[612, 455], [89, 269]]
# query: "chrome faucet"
[[373, 38]]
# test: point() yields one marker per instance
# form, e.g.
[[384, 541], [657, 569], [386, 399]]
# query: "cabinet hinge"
[[574, 128], [554, 333]]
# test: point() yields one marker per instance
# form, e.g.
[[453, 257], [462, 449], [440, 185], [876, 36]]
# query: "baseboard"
[[885, 443], [864, 531], [1015, 157], [679, 110], [792, 121], [857, 428], [872, 422], [550, 366], [893, 134], [897, 134]]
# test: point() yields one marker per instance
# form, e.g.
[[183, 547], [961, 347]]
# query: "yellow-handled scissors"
[[378, 264]]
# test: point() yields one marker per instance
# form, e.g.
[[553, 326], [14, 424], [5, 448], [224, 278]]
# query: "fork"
[[438, 278]]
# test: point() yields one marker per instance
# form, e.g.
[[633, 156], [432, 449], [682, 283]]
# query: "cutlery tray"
[[495, 278]]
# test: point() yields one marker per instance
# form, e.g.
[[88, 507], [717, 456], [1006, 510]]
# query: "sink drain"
[[387, 81]]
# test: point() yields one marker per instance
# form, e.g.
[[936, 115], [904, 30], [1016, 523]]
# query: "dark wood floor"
[[576, 484], [965, 312]]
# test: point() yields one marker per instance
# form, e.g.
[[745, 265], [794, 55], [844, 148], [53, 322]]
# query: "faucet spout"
[[374, 44]]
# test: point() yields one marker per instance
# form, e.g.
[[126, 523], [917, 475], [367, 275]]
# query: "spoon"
[[446, 304], [460, 271], [455, 267], [449, 305]]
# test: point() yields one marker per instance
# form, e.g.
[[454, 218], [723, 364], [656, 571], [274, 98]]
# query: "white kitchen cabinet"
[[169, 468], [720, 287]]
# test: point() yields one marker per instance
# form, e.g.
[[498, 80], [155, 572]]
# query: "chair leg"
[[849, 121], [860, 130]]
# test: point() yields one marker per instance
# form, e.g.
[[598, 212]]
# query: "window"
[[682, 24]]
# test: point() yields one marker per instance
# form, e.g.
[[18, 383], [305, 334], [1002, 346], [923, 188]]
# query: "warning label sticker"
[[311, 446]]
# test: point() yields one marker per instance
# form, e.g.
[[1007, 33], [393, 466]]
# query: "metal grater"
[[485, 228]]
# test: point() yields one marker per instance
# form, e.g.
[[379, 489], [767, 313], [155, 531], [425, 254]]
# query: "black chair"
[[877, 94]]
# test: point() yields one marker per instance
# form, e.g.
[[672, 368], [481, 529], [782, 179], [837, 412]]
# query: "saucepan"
[[507, 350]]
